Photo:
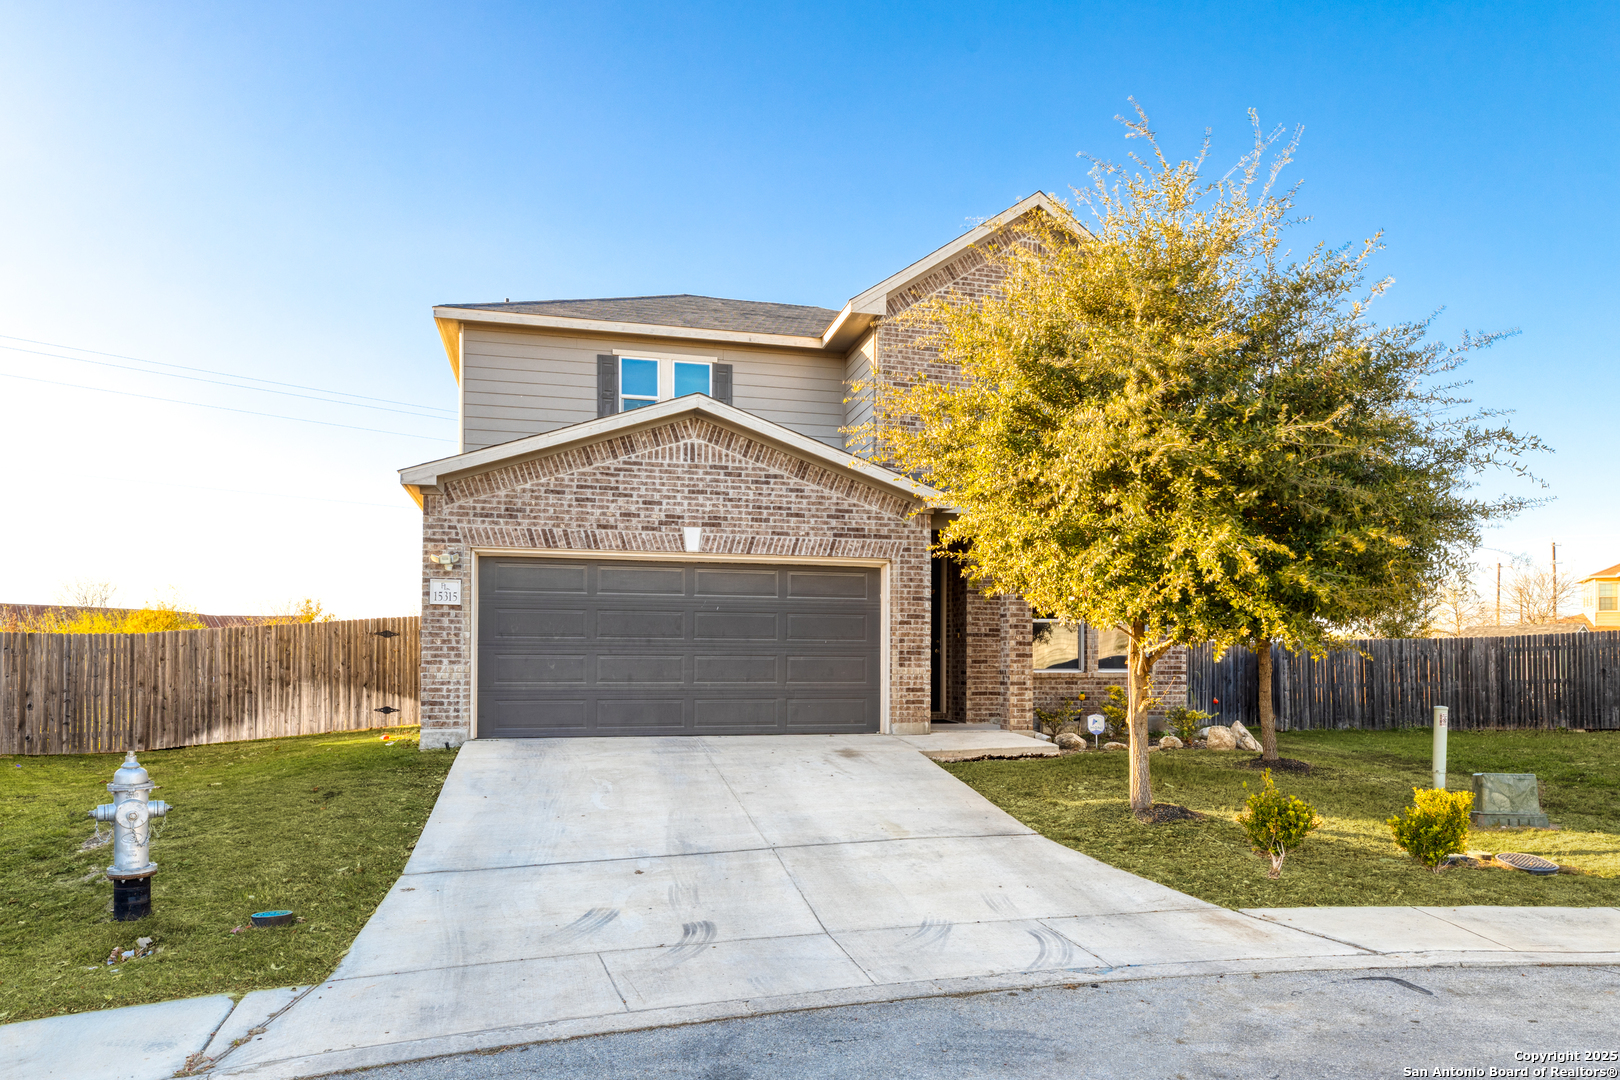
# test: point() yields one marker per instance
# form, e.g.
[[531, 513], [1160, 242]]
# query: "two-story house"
[[656, 526], [1600, 599]]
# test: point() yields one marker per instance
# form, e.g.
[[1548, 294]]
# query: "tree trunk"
[[1268, 715], [1138, 684]]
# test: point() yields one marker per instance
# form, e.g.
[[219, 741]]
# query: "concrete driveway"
[[567, 887]]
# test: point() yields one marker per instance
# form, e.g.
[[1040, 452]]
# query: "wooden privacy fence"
[[93, 693], [1534, 681]]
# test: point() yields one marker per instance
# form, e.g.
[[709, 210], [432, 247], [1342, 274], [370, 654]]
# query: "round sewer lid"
[[1533, 864]]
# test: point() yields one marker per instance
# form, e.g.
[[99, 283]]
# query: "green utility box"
[[1507, 799]]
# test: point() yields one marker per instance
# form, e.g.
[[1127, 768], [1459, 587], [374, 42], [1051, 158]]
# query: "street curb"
[[497, 1039]]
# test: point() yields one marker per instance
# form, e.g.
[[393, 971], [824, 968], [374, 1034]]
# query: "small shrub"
[[1115, 710], [1436, 825], [1053, 721], [1276, 823], [1185, 722]]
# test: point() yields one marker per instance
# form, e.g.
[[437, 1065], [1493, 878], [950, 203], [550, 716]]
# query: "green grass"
[[320, 824], [1360, 779]]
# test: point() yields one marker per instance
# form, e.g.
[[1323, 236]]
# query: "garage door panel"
[[521, 669], [531, 716], [654, 716], [737, 583], [825, 585], [745, 715], [537, 577], [540, 624], [641, 669], [606, 647], [733, 669], [668, 581], [826, 669], [826, 628], [641, 624], [836, 714], [734, 626]]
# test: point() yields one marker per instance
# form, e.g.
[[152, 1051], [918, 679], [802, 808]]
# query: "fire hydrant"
[[131, 813]]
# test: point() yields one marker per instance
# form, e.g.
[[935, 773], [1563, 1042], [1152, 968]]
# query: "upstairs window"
[[1608, 595], [644, 381]]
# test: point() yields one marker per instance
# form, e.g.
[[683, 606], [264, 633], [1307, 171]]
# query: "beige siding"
[[524, 382], [858, 401]]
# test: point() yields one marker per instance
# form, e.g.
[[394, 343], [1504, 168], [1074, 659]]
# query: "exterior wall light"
[[447, 560]]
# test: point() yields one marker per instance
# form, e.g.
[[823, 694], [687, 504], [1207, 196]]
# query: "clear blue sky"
[[282, 192]]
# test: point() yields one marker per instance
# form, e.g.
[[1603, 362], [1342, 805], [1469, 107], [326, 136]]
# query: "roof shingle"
[[684, 309]]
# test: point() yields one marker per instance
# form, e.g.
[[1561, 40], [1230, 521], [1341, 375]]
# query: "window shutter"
[[720, 382], [607, 385]]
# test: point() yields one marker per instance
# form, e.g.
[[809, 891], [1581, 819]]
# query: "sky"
[[275, 196]]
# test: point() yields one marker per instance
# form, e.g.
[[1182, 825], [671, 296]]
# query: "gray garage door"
[[597, 647]]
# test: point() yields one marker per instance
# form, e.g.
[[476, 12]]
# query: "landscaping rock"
[[1170, 742], [1245, 741], [1070, 741], [1115, 746], [1220, 738]]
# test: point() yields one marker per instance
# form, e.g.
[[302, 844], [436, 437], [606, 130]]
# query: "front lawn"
[[320, 824], [1360, 778]]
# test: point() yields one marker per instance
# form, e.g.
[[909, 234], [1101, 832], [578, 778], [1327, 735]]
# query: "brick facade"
[[1053, 688], [631, 495], [1000, 686]]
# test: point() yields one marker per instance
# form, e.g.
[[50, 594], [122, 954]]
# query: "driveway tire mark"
[[694, 936], [587, 924]]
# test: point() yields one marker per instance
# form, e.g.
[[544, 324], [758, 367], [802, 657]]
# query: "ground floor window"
[[1057, 645], [1112, 646]]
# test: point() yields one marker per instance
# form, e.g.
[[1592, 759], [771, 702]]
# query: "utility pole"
[[1499, 597], [1555, 581]]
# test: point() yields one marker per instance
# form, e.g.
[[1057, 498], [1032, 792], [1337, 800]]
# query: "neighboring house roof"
[[1574, 624], [684, 309], [430, 474], [1611, 572], [794, 326]]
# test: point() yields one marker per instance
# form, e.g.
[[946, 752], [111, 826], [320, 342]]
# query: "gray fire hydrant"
[[131, 813]]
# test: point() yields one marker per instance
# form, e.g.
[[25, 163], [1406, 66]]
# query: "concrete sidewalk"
[[573, 887], [139, 1042]]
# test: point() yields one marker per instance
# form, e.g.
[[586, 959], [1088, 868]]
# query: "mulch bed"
[[1282, 764], [1166, 813]]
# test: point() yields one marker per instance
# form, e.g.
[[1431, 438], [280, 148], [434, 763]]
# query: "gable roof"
[[430, 474], [682, 309], [874, 301], [797, 326], [1611, 572]]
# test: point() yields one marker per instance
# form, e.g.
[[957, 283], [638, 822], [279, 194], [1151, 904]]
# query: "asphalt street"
[[1364, 1024]]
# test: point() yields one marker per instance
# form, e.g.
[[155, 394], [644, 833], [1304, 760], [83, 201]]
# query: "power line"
[[221, 408], [207, 371], [217, 382], [233, 491]]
